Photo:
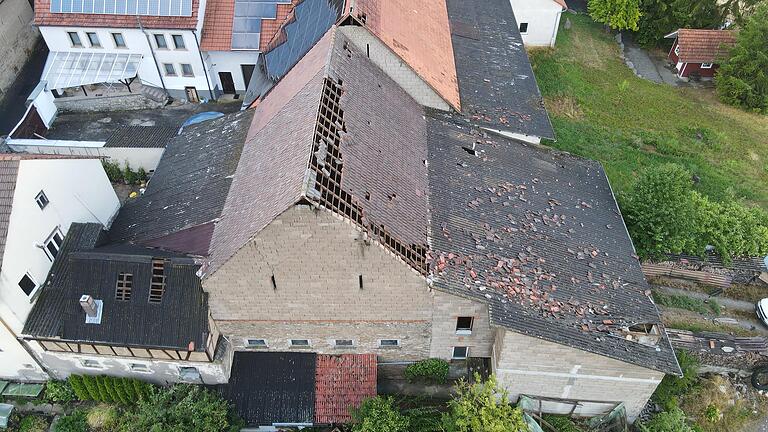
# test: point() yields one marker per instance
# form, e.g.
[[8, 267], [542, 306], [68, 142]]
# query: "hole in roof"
[[368, 196], [471, 151], [392, 197]]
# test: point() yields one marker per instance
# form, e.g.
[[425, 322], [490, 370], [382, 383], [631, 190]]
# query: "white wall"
[[42, 98], [230, 61], [15, 362], [543, 18], [146, 158], [79, 191]]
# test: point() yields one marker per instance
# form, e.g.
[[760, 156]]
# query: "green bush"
[[90, 383], [672, 387], [130, 176], [113, 170], [431, 370], [75, 422], [379, 414], [59, 392], [668, 421], [101, 385], [687, 303], [142, 175], [482, 407], [561, 423], [33, 423], [102, 417], [125, 391], [78, 386]]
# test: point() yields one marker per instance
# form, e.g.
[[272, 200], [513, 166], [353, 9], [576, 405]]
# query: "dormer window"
[[124, 287], [157, 285], [41, 200]]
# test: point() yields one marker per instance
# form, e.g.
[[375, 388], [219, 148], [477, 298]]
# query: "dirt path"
[[723, 301]]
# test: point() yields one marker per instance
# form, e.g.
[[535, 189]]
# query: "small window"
[[460, 353], [178, 41], [27, 284], [140, 367], [186, 70], [53, 244], [389, 343], [299, 342], [706, 65], [160, 41], [464, 325], [188, 373], [677, 49], [90, 364], [74, 38], [119, 40], [124, 287], [256, 343], [93, 39], [344, 343], [523, 28], [41, 200], [170, 70]]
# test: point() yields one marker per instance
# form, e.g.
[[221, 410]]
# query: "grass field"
[[602, 111]]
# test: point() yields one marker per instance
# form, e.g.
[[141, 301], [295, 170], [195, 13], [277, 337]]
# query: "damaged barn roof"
[[538, 235], [497, 85]]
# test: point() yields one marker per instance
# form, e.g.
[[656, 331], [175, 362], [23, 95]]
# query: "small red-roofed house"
[[697, 53]]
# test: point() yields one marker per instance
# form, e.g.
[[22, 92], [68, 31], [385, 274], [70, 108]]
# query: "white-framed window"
[[389, 343], [186, 70], [119, 40], [464, 325], [93, 364], [178, 41], [300, 343], [256, 343], [42, 200], [523, 28], [343, 343], [677, 49], [160, 41], [140, 368], [74, 39], [27, 284], [170, 69], [460, 353], [93, 39], [706, 65], [53, 244]]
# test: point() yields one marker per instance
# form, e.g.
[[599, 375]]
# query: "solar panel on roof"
[[124, 7], [246, 24]]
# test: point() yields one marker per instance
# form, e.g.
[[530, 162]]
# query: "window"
[[706, 65], [74, 38], [170, 70], [460, 353], [186, 70], [160, 41], [256, 343], [93, 39], [677, 49], [178, 41], [464, 325], [189, 373], [140, 367], [27, 284], [157, 284], [124, 286], [90, 364], [53, 244], [41, 200], [389, 343], [299, 343], [119, 40], [523, 28], [344, 343]]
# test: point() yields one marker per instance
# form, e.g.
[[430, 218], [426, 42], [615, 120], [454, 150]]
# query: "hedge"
[[124, 391]]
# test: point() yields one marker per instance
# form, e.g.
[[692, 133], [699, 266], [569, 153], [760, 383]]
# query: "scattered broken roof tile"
[[44, 17], [342, 382], [705, 46]]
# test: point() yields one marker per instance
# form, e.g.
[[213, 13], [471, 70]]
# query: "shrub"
[[616, 14], [130, 176], [33, 423], [93, 389], [430, 370], [672, 387], [75, 422], [142, 175], [668, 421], [101, 385], [482, 407], [125, 391], [102, 417], [114, 173], [59, 392], [561, 423], [379, 414], [78, 386]]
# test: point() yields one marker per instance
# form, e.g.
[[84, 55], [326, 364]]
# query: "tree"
[[482, 407], [379, 414], [661, 17], [742, 80], [616, 14]]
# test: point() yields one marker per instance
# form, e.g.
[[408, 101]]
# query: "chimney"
[[89, 306]]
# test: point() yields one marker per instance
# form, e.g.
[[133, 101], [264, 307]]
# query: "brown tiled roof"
[[342, 382], [44, 17], [419, 32], [704, 46], [9, 169], [217, 27]]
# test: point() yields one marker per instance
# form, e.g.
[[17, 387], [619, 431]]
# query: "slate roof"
[[538, 236], [180, 318], [704, 46], [9, 170], [141, 137], [188, 188], [497, 85], [342, 382], [44, 17], [217, 27]]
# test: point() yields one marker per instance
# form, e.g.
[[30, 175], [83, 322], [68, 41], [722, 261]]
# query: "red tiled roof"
[[44, 17], [562, 3], [342, 382], [217, 27], [704, 46]]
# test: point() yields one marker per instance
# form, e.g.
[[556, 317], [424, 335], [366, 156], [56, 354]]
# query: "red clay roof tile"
[[217, 27], [704, 46], [342, 382], [44, 17]]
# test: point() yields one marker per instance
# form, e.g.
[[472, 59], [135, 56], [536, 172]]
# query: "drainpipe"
[[152, 50], [205, 70]]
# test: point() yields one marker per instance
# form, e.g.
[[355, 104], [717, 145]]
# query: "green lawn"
[[602, 111]]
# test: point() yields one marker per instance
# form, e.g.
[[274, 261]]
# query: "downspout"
[[205, 70], [557, 26], [151, 50]]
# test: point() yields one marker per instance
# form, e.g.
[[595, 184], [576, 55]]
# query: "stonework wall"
[[123, 102], [530, 366], [17, 39], [317, 259], [447, 308]]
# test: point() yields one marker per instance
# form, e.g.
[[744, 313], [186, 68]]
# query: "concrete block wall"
[[394, 67], [530, 366], [17, 39], [122, 102], [447, 308]]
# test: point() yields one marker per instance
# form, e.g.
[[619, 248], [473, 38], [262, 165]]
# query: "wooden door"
[[227, 83]]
